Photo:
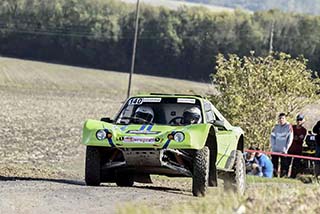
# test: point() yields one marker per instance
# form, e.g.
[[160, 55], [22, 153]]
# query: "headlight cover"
[[101, 134], [178, 136]]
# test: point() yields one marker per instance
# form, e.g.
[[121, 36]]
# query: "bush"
[[253, 90]]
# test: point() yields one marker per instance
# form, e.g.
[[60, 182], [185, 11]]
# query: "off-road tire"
[[124, 180], [237, 181], [200, 175], [93, 166]]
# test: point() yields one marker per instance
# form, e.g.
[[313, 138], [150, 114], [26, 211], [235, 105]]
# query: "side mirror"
[[106, 119], [218, 123]]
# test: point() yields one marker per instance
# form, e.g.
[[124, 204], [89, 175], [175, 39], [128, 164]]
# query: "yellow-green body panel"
[[195, 135]]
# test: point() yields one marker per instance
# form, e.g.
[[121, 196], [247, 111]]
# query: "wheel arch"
[[211, 141], [240, 145], [212, 144]]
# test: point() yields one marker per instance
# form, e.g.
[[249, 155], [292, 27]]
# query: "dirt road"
[[72, 196]]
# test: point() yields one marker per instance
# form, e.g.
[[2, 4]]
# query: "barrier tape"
[[285, 155]]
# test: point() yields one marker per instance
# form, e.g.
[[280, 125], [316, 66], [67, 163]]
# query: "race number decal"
[[135, 101]]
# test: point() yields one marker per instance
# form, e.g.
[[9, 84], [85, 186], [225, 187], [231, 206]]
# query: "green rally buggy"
[[151, 134]]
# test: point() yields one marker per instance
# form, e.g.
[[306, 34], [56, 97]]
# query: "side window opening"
[[210, 116]]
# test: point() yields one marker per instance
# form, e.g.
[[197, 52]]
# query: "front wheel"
[[93, 166], [237, 181], [200, 175]]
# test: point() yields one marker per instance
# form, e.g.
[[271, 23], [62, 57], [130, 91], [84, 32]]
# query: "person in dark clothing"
[[251, 162], [299, 134], [316, 130]]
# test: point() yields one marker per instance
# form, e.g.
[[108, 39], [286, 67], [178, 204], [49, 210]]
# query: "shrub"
[[253, 90]]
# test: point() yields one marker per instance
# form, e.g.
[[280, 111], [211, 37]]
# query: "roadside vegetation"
[[252, 91], [263, 195]]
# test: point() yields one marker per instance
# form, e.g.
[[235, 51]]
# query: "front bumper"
[[152, 161]]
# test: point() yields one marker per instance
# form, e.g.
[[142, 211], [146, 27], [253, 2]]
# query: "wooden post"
[[290, 168], [279, 166], [134, 47]]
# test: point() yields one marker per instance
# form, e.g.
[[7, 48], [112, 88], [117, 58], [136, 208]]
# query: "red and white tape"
[[285, 155]]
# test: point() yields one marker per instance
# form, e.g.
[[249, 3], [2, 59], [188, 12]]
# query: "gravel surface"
[[72, 196]]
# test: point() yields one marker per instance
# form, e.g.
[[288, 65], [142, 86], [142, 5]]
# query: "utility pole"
[[134, 46], [271, 38]]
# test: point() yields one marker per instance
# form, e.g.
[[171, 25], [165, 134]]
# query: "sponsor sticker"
[[186, 100], [151, 100], [129, 139]]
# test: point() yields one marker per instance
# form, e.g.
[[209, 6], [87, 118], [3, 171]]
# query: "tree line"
[[179, 43]]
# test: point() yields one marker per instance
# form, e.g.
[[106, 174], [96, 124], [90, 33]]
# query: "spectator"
[[259, 163], [316, 130], [281, 140], [251, 162], [299, 134], [265, 165]]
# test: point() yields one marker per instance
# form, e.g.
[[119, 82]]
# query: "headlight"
[[101, 135], [178, 136]]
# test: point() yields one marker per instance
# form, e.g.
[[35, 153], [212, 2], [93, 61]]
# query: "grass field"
[[277, 195]]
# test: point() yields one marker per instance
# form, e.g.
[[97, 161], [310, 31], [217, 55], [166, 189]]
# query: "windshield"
[[166, 111]]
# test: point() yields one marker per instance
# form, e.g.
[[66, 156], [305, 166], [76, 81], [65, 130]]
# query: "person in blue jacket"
[[265, 166]]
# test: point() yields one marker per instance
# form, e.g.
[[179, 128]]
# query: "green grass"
[[262, 196], [257, 179]]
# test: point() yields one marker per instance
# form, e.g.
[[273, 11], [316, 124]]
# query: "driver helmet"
[[192, 115], [144, 113]]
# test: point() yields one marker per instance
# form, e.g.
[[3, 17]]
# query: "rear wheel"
[[237, 180], [93, 166], [200, 172]]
